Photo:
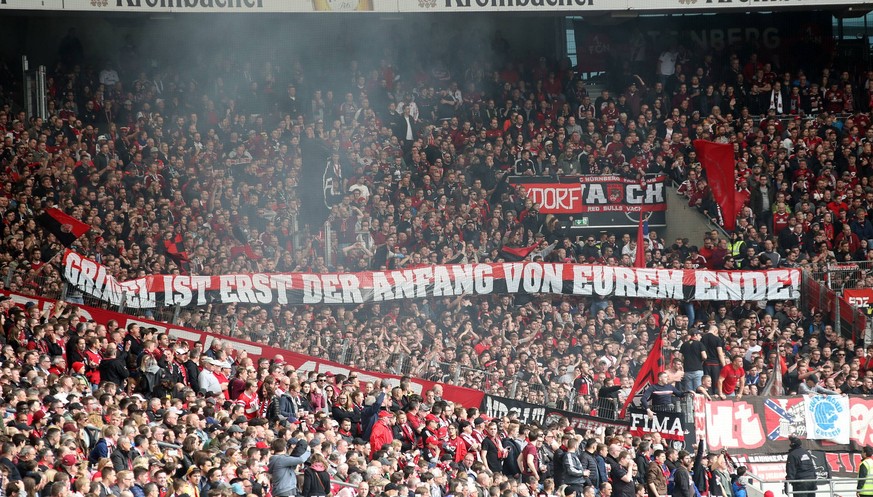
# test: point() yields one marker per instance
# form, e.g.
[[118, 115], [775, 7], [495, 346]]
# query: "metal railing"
[[825, 487], [709, 221], [602, 407], [822, 289], [341, 483], [844, 275]]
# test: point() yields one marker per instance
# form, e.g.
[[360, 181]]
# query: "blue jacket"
[[282, 408], [601, 471], [100, 450], [369, 415], [863, 230]]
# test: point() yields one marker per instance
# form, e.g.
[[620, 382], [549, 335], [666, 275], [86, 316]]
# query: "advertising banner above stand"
[[412, 6]]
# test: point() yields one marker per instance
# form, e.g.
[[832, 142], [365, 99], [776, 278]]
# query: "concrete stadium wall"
[[684, 221]]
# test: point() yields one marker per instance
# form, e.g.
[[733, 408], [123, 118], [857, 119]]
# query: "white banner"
[[575, 6], [31, 4], [827, 418], [427, 6], [451, 280]]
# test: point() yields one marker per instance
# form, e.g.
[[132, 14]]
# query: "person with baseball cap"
[[209, 383], [382, 434]]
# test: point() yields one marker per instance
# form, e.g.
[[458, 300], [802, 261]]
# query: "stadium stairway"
[[684, 221]]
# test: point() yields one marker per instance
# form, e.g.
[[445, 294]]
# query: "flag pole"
[[648, 373], [640, 254], [48, 262]]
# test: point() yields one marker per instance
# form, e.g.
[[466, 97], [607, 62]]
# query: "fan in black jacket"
[[589, 462], [114, 368], [642, 460], [683, 486], [700, 470], [800, 466], [316, 480]]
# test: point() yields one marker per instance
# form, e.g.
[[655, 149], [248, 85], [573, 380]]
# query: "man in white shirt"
[[109, 76], [667, 64], [208, 382]]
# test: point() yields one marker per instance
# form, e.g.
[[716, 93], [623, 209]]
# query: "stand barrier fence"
[[822, 289]]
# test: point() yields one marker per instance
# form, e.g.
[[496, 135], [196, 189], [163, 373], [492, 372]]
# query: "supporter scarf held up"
[[776, 101]]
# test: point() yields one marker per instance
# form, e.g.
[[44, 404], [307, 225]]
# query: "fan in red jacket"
[[382, 433], [456, 444]]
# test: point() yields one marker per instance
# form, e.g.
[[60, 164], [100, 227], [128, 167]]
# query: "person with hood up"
[[738, 485], [800, 466]]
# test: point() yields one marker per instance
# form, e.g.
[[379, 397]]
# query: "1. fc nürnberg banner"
[[593, 194], [94, 279]]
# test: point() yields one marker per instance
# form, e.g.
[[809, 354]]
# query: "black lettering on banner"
[[517, 3], [188, 4], [592, 194]]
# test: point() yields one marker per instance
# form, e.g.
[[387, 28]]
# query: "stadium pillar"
[[328, 243], [27, 87], [41, 92]]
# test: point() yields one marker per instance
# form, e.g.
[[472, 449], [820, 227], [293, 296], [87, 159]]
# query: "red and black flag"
[[516, 254], [66, 229], [245, 250], [648, 374], [174, 247]]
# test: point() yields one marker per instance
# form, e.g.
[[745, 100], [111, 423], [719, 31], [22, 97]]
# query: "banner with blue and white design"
[[827, 418]]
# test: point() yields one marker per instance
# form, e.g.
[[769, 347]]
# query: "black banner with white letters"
[[498, 407], [672, 426], [597, 201]]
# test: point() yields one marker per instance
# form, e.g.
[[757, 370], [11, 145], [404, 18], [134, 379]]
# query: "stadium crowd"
[[213, 176], [191, 422]]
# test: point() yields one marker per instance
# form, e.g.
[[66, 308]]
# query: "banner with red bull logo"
[[597, 201]]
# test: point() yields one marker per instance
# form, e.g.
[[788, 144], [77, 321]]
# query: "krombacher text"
[[192, 4]]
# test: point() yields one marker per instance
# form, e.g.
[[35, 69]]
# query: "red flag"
[[66, 229], [174, 252], [516, 254], [648, 374], [718, 162], [245, 250], [640, 257], [180, 258]]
